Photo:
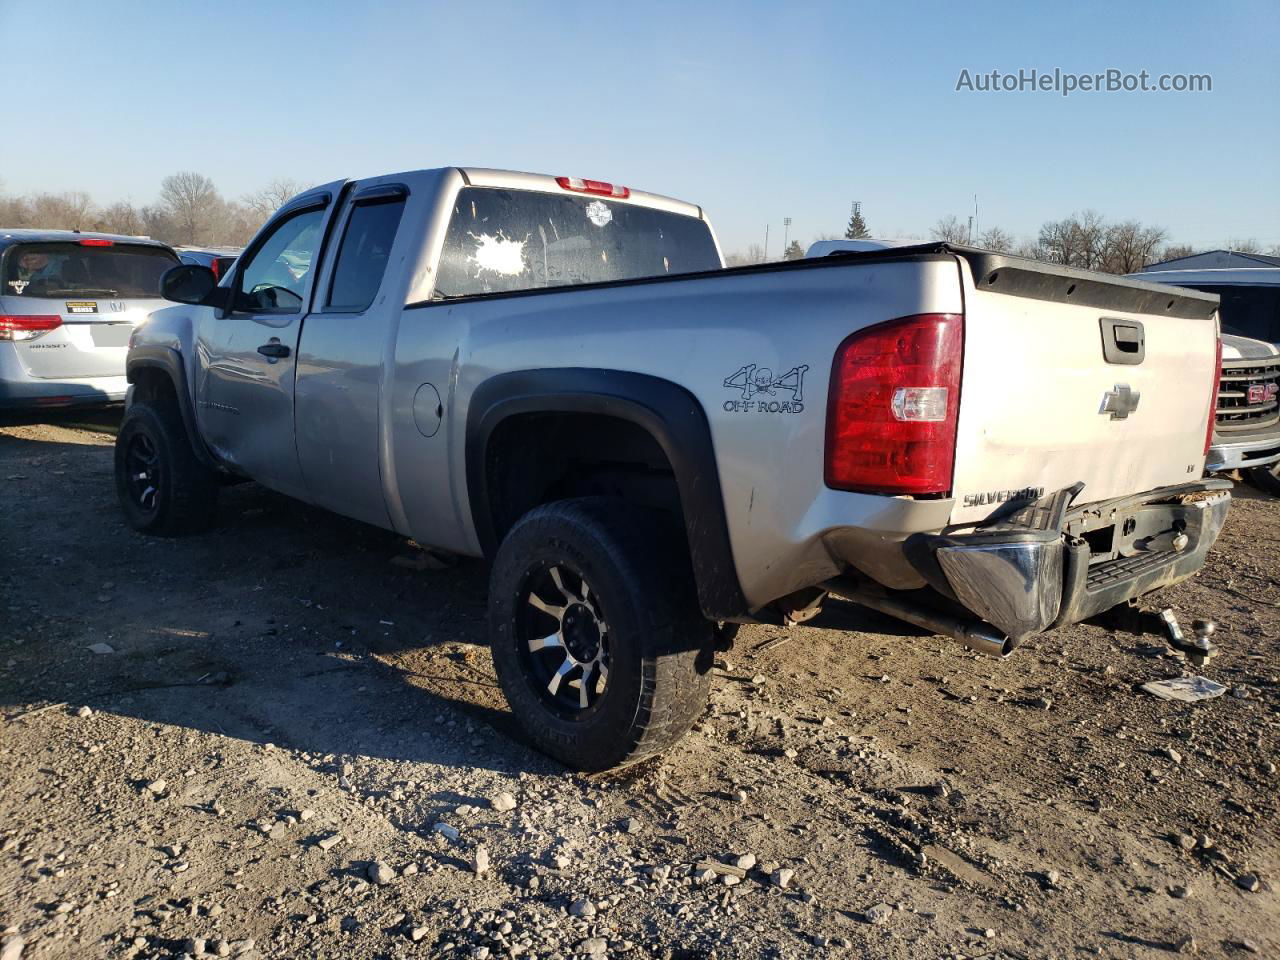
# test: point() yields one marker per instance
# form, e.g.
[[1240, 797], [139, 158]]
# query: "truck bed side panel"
[[754, 347]]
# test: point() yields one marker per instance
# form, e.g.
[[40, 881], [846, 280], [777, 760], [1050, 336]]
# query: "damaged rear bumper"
[[1052, 564]]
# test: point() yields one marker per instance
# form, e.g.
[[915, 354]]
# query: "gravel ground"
[[284, 739]]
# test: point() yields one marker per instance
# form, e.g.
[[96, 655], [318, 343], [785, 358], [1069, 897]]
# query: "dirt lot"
[[292, 677]]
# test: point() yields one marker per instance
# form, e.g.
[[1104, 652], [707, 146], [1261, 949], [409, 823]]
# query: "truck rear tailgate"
[[1071, 376]]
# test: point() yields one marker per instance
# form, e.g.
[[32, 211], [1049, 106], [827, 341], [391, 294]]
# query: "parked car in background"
[[1247, 435], [219, 260], [558, 374], [68, 303]]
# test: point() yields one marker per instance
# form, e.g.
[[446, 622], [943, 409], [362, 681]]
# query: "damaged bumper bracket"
[[1035, 569]]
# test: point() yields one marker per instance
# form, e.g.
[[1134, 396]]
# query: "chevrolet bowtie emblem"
[[1120, 402]]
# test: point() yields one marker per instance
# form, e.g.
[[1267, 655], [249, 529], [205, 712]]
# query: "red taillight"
[[216, 266], [593, 186], [96, 242], [26, 328], [1213, 398], [892, 407]]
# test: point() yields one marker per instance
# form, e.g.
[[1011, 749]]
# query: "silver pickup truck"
[[558, 375]]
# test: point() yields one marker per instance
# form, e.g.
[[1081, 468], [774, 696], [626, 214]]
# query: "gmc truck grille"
[[1249, 396]]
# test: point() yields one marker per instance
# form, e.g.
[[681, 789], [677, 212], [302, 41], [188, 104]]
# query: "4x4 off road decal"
[[762, 392]]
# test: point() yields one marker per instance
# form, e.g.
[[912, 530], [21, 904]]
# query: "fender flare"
[[666, 411], [169, 361]]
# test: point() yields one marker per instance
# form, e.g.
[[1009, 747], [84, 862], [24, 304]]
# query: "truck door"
[[341, 356], [245, 389]]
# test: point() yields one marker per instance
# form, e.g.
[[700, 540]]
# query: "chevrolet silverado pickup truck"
[[559, 375]]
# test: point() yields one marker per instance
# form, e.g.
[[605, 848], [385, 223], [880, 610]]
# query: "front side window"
[[99, 268], [500, 241], [275, 275], [362, 258]]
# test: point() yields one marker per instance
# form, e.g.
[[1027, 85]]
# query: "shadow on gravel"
[[284, 624], [105, 419]]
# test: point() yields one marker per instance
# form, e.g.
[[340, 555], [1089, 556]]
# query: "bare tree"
[[1029, 249], [61, 211], [993, 238], [1244, 246], [122, 217], [1075, 241], [753, 254], [1129, 246], [192, 202], [1091, 230], [272, 197], [15, 212], [950, 230], [1177, 250]]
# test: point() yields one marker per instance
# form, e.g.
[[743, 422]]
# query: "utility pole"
[[786, 233], [766, 243]]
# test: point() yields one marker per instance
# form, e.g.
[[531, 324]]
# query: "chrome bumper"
[[1242, 455], [1034, 570]]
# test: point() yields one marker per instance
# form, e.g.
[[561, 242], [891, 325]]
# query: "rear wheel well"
[[538, 458], [153, 385]]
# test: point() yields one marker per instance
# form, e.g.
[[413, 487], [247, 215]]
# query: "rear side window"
[[501, 241], [71, 269], [362, 257]]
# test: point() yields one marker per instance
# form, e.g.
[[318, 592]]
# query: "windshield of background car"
[[500, 241], [68, 269], [1248, 311]]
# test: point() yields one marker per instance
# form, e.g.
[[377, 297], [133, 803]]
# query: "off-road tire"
[[1266, 479], [636, 564], [186, 491]]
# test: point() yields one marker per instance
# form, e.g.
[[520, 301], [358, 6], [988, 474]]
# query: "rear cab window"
[[84, 268], [503, 241]]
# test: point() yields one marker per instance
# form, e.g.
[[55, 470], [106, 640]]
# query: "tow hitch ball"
[[1199, 650], [1135, 619]]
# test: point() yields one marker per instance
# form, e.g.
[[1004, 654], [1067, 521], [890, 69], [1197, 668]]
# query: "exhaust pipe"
[[974, 634]]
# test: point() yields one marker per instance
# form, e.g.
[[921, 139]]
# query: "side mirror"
[[189, 283]]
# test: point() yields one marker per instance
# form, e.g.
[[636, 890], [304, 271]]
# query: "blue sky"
[[755, 110]]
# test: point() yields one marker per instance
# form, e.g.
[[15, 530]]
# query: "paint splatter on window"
[[497, 255]]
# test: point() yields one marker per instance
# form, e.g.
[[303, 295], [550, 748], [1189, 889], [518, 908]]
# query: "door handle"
[[275, 350]]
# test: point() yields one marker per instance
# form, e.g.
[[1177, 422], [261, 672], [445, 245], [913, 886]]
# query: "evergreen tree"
[[857, 228], [794, 251]]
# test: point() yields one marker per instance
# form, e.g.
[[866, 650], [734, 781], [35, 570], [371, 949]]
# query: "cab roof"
[[515, 180]]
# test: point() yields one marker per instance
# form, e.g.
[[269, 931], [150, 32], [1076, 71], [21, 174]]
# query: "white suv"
[[68, 303]]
